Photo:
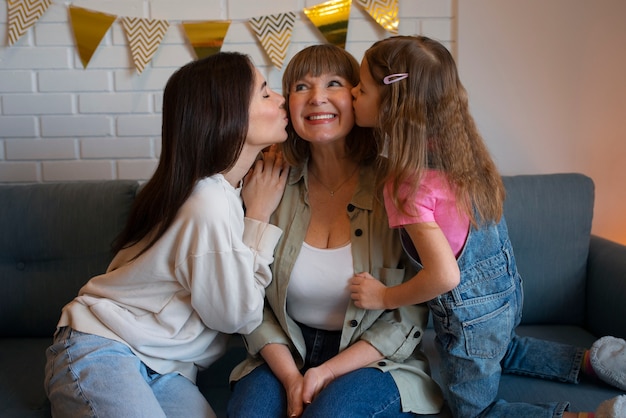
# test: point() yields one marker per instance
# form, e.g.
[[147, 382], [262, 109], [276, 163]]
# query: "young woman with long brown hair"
[[190, 267]]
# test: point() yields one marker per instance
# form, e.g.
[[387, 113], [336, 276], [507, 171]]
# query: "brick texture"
[[60, 121]]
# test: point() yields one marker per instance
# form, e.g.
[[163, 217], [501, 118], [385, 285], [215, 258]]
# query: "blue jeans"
[[473, 363], [365, 392], [475, 326], [89, 376]]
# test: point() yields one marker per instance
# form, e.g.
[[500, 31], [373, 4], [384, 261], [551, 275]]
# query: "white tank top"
[[318, 294]]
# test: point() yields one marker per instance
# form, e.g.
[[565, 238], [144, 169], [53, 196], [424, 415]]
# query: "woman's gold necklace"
[[332, 192]]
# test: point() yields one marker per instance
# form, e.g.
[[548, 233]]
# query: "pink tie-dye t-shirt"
[[433, 202]]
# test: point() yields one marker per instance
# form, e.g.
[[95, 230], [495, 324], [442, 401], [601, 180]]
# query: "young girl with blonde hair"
[[443, 189]]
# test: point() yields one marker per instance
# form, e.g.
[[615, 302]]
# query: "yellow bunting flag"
[[384, 12], [331, 18], [206, 38], [144, 37], [89, 28], [274, 32], [23, 14]]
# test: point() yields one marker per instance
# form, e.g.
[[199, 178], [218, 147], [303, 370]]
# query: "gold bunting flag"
[[331, 18], [274, 32], [144, 37], [384, 12], [206, 38], [89, 28], [23, 14]]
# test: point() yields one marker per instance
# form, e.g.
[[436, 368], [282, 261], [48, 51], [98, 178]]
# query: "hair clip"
[[392, 78]]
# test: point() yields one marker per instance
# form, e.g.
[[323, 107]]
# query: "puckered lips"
[[321, 117]]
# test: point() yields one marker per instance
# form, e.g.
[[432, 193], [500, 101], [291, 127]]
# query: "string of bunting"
[[144, 36]]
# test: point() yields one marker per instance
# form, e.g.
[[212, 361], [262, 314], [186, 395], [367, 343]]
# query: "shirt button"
[[417, 334], [358, 232], [354, 323], [351, 207], [20, 265], [382, 363]]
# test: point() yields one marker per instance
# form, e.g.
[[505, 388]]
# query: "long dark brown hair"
[[427, 124], [316, 60], [204, 126]]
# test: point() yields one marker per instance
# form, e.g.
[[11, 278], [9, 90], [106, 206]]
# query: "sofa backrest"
[[549, 218], [53, 238]]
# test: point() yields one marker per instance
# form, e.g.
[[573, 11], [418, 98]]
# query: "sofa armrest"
[[606, 288]]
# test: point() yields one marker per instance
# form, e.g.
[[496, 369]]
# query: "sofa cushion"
[[22, 362], [606, 287], [549, 218], [54, 238]]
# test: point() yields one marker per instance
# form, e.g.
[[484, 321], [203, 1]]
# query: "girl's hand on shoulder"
[[264, 185], [367, 292]]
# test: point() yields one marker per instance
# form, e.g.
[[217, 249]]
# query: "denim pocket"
[[479, 321], [488, 336]]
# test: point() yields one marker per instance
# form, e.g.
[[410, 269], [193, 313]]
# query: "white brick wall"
[[60, 122]]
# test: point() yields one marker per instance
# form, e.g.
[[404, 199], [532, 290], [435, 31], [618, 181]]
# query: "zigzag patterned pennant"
[[89, 28], [274, 32], [23, 14], [144, 37], [384, 12], [331, 18]]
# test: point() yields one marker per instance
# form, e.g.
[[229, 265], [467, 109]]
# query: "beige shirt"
[[376, 249]]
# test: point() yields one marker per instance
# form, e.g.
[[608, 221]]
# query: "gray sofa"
[[56, 236]]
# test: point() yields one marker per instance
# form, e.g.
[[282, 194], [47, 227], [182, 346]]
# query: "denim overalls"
[[475, 326]]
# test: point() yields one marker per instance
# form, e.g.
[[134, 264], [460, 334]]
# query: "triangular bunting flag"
[[274, 32], [23, 14], [89, 28], [331, 18], [144, 37], [207, 37], [384, 12]]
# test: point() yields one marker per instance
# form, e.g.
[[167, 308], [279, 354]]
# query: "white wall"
[[546, 81], [61, 122], [547, 86]]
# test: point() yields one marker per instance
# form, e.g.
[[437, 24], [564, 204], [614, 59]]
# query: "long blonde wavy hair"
[[427, 124]]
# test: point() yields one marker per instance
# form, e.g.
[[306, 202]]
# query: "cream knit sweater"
[[204, 278]]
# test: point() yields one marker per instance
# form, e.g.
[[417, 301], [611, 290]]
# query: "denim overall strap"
[[480, 244]]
